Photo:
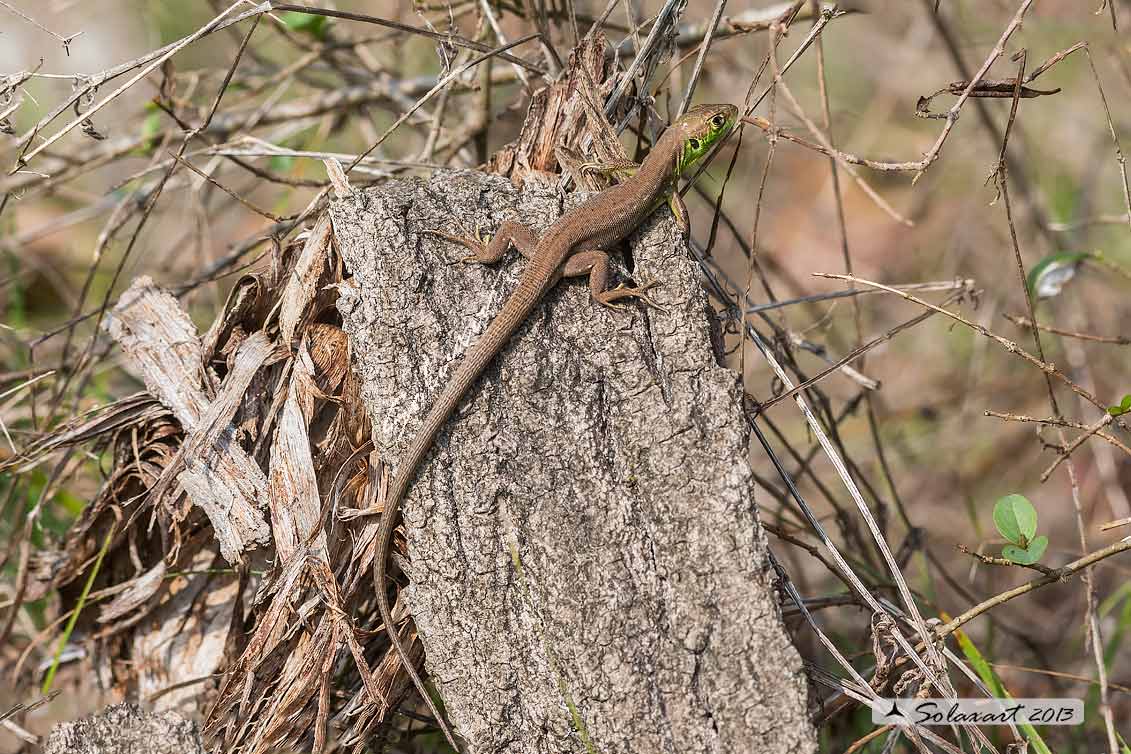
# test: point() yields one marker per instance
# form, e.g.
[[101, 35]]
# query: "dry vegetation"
[[928, 157]]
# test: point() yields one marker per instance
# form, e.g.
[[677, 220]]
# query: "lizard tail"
[[475, 360], [478, 356]]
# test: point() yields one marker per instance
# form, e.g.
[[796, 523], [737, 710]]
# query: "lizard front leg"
[[679, 209], [611, 169], [510, 232], [595, 264]]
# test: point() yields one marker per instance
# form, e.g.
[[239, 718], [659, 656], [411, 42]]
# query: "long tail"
[[478, 356]]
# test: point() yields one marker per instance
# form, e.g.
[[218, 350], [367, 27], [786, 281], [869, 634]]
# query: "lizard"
[[574, 246]]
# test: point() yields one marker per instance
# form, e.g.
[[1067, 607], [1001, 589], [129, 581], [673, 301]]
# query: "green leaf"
[[70, 627], [1115, 642], [1049, 276], [310, 23], [1016, 555], [997, 688], [1124, 407], [1026, 555], [150, 127], [1122, 594], [281, 163], [1016, 519]]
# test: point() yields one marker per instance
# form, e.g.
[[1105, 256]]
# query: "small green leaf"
[[1049, 276], [1016, 519], [310, 23], [1026, 555], [1124, 407], [1016, 554]]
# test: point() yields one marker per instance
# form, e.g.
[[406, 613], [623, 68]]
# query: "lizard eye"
[[718, 121], [694, 144]]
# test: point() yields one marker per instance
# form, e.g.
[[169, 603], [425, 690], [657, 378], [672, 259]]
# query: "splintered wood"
[[163, 349]]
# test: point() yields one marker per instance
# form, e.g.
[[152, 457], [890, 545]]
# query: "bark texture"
[[126, 729], [587, 570]]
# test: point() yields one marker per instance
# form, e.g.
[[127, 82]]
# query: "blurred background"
[[911, 419]]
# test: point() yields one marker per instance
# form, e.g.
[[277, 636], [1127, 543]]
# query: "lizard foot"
[[609, 298], [477, 244], [593, 169]]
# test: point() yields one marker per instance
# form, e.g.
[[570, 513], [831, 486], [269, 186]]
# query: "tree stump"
[[587, 569], [126, 729]]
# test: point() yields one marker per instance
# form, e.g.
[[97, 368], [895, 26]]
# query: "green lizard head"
[[700, 129]]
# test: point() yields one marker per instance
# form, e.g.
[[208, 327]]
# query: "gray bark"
[[126, 729], [588, 573]]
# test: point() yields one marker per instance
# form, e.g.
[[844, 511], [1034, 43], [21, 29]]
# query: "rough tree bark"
[[126, 729], [587, 569]]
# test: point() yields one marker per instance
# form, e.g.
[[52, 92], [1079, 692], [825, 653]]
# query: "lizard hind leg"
[[595, 264], [492, 250]]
